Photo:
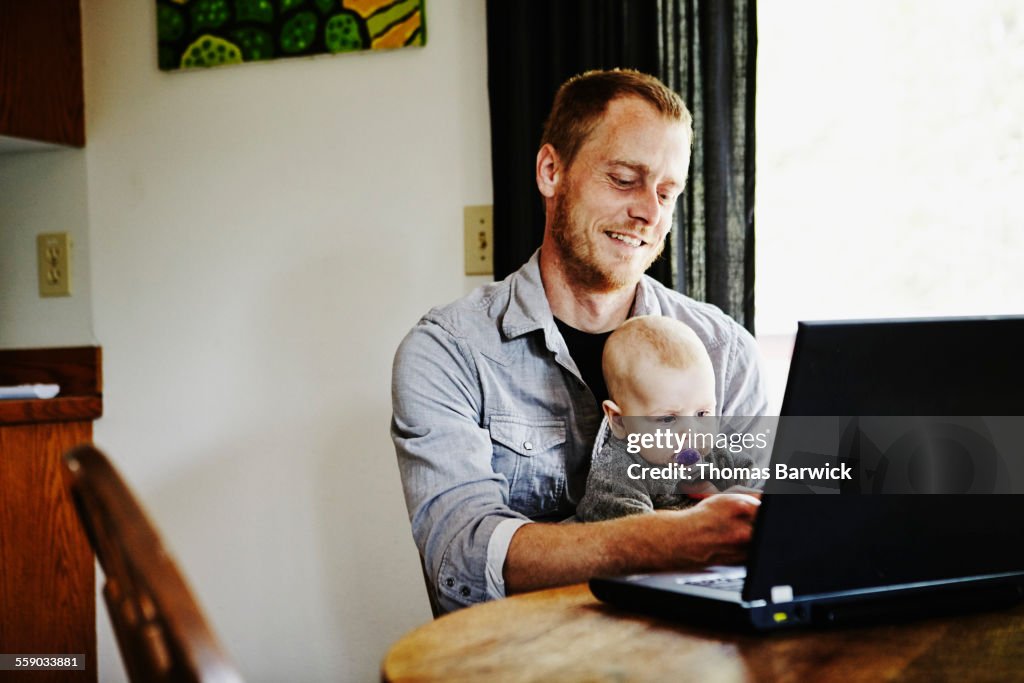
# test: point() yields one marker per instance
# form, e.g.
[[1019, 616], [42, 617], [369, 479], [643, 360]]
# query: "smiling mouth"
[[626, 239]]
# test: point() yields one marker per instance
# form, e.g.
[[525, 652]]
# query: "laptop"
[[835, 559]]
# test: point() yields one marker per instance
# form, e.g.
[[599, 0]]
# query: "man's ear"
[[614, 415], [549, 171]]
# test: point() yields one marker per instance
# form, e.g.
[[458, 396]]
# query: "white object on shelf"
[[30, 391]]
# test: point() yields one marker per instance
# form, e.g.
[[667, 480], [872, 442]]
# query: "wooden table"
[[565, 634]]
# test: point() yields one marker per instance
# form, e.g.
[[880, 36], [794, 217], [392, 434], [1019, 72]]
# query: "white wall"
[[43, 192], [260, 238]]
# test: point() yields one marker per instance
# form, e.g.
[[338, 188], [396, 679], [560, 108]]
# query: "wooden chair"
[[160, 629]]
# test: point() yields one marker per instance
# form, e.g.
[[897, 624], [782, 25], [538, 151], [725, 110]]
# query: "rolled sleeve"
[[456, 500], [497, 551]]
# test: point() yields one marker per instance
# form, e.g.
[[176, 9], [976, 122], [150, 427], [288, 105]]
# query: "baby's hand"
[[697, 489], [703, 489]]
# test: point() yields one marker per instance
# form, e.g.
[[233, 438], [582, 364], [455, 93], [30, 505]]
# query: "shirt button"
[[449, 582], [465, 591], [528, 445]]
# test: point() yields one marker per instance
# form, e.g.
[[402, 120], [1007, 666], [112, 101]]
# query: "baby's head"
[[657, 370]]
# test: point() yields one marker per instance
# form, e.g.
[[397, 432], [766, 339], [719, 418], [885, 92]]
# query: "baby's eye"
[[703, 413], [665, 419]]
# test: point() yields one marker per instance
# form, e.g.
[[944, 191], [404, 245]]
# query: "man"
[[496, 397]]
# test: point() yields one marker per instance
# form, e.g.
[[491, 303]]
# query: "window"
[[890, 157]]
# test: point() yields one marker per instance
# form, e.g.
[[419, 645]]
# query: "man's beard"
[[577, 253]]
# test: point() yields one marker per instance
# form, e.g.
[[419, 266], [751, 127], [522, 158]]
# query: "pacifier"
[[688, 457]]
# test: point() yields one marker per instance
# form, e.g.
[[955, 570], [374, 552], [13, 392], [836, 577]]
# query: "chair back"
[[161, 631]]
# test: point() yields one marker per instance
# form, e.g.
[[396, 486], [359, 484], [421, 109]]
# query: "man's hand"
[[715, 531]]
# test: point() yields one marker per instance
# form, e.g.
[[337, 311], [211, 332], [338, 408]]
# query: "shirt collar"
[[646, 301], [528, 308]]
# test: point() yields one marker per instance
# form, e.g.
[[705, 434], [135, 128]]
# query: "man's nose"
[[645, 206]]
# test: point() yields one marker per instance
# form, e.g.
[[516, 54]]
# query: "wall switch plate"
[[53, 253], [478, 223]]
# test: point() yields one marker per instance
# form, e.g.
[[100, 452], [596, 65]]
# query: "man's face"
[[613, 206]]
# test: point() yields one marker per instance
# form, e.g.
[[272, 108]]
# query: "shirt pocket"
[[530, 453]]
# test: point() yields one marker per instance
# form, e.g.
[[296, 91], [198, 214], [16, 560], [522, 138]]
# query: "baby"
[[659, 378]]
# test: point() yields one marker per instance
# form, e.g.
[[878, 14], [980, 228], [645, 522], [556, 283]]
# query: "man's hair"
[[582, 100], [666, 341]]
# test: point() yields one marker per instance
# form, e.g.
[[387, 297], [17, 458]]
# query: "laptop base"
[[649, 595]]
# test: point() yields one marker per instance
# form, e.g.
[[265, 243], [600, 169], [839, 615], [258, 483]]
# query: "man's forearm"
[[714, 532], [543, 555]]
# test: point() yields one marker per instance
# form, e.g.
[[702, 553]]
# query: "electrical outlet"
[[53, 253], [478, 223]]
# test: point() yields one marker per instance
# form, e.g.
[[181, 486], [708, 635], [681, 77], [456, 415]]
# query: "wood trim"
[[69, 409]]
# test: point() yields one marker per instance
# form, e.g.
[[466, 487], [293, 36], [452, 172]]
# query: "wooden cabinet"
[[41, 94], [47, 579]]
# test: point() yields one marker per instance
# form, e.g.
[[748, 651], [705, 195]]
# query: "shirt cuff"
[[497, 550]]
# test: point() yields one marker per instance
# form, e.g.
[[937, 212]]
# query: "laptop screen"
[[931, 367], [956, 366]]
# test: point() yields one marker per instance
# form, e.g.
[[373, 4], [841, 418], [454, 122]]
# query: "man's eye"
[[622, 182]]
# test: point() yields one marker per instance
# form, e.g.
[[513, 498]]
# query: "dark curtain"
[[703, 49], [709, 55], [533, 46]]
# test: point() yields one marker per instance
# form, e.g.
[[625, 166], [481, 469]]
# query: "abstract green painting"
[[203, 33]]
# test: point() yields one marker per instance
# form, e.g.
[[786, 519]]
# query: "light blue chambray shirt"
[[493, 426]]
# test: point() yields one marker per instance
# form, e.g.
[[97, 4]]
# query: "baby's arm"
[[610, 492], [608, 497]]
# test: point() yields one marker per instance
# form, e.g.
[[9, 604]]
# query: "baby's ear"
[[614, 415]]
